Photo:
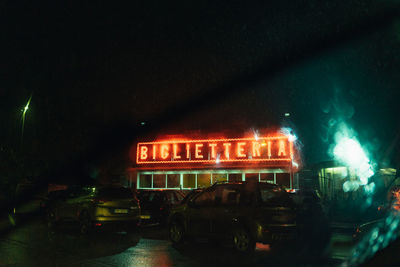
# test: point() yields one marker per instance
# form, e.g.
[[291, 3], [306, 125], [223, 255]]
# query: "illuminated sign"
[[277, 148]]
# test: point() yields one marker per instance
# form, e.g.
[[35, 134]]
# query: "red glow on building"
[[198, 162], [276, 149]]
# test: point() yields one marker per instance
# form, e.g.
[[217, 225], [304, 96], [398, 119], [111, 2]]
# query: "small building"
[[188, 163], [328, 178]]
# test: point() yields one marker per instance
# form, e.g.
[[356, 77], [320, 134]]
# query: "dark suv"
[[102, 206], [244, 212]]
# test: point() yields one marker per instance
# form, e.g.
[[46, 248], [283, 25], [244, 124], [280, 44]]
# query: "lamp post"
[[24, 110]]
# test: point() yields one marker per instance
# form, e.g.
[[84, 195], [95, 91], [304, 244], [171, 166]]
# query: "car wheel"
[[176, 232], [243, 241], [84, 222]]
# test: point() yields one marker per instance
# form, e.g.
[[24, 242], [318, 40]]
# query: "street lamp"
[[24, 110]]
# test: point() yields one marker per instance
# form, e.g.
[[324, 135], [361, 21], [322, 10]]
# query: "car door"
[[79, 202], [226, 211], [171, 200], [198, 213], [276, 209], [64, 208], [73, 203]]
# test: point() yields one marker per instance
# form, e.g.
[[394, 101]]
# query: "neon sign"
[[277, 148]]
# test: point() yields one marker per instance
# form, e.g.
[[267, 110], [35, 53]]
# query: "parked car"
[[156, 204], [52, 197], [103, 206], [241, 212], [31, 199]]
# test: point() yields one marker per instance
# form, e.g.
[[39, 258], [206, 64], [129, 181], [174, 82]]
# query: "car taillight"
[[291, 190]]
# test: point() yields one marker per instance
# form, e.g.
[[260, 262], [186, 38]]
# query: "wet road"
[[34, 245]]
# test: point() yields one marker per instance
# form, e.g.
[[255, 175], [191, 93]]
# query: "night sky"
[[180, 66]]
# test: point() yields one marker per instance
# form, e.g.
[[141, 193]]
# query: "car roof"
[[247, 182]]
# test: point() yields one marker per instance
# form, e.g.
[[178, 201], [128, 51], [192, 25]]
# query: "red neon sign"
[[277, 148]]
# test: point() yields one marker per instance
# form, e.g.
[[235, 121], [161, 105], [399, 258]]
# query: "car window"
[[274, 197], [227, 195], [151, 196], [206, 198], [179, 196], [171, 196], [73, 192], [59, 194], [192, 194]]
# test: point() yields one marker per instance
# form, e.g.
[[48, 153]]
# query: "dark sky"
[[228, 64]]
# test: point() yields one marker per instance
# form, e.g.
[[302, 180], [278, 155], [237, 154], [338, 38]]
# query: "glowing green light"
[[25, 109], [349, 151], [289, 133]]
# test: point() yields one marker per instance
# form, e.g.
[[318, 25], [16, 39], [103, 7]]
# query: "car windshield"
[[151, 196], [190, 196], [275, 196], [278, 120]]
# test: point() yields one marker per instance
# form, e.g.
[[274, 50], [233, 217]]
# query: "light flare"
[[349, 151], [289, 133], [256, 135]]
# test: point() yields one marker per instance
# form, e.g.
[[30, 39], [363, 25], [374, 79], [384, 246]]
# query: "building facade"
[[185, 163]]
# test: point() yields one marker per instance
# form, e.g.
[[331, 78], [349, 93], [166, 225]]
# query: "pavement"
[[33, 244]]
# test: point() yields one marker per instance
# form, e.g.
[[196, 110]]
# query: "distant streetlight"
[[24, 110], [287, 114]]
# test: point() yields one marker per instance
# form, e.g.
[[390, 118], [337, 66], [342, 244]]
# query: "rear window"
[[274, 197], [190, 196], [151, 196], [57, 194], [115, 192]]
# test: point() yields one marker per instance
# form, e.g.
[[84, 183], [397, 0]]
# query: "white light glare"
[[256, 136], [350, 152], [369, 188], [350, 186], [289, 133], [217, 160]]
